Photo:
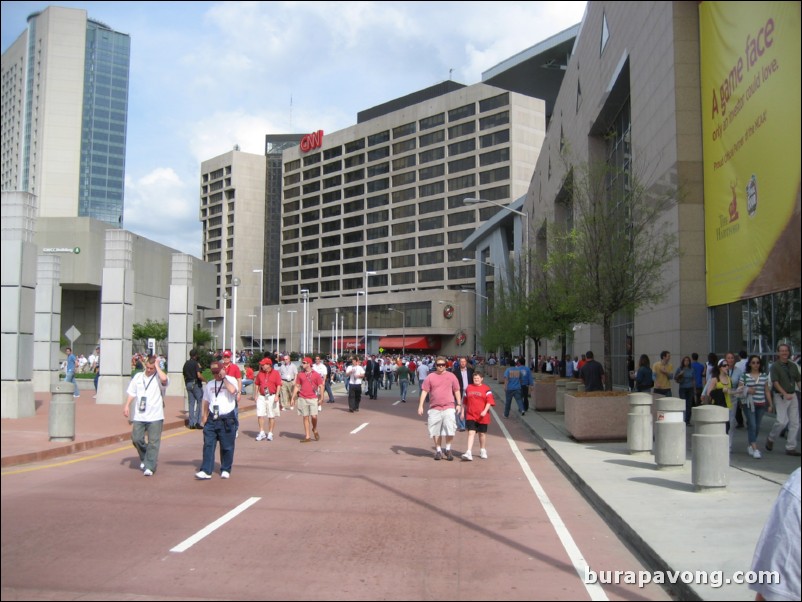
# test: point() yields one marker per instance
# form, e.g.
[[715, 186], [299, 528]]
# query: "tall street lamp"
[[367, 278], [356, 326], [278, 330], [235, 282], [403, 328], [251, 316], [523, 256], [304, 331], [225, 306], [292, 313], [465, 290], [261, 307]]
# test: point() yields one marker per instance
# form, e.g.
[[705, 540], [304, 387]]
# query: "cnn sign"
[[312, 141]]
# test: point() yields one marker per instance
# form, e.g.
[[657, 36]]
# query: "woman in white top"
[[758, 400]]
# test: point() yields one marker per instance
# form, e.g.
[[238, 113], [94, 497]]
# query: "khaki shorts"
[[307, 407], [267, 405], [442, 422]]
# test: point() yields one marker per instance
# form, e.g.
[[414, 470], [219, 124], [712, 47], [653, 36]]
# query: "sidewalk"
[[658, 512]]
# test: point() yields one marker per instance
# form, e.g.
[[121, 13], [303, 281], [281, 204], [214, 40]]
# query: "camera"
[[142, 403], [216, 410]]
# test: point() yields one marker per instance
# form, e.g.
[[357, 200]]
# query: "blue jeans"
[[516, 393], [223, 430], [403, 384], [689, 397], [753, 420], [194, 398], [148, 452], [70, 378], [329, 392]]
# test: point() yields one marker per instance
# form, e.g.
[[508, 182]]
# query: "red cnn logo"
[[310, 141]]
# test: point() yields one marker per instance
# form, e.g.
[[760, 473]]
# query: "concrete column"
[[570, 388], [47, 326], [181, 321], [710, 448], [18, 301], [669, 433], [116, 318], [639, 423]]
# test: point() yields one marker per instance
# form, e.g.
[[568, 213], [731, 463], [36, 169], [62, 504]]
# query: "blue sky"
[[208, 75]]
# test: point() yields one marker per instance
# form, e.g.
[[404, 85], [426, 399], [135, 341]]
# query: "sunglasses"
[[440, 365]]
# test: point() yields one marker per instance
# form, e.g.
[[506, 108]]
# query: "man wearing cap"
[[219, 422], [148, 388], [288, 372], [308, 393], [267, 384]]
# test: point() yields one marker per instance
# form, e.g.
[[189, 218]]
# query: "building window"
[[433, 121], [488, 104], [462, 112], [434, 154], [378, 138], [404, 130]]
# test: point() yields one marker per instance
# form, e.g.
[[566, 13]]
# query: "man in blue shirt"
[[698, 374], [70, 371], [512, 378]]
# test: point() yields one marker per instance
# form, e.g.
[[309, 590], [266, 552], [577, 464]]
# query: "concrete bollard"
[[580, 387], [570, 387], [639, 423], [710, 447], [669, 433], [559, 399], [61, 419]]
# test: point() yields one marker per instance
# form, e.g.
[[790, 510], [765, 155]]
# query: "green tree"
[[150, 330], [621, 243], [201, 337]]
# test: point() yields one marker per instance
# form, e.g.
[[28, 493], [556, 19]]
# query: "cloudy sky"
[[208, 75]]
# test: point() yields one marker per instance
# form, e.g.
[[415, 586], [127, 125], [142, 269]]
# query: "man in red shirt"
[[307, 396], [266, 386]]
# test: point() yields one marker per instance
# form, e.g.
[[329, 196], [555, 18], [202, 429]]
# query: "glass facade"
[[103, 131]]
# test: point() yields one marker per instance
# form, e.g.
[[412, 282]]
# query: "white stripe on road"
[[594, 590], [191, 541], [397, 402], [359, 428]]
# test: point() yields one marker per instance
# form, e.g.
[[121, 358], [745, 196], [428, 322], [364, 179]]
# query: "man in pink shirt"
[[307, 396], [443, 390]]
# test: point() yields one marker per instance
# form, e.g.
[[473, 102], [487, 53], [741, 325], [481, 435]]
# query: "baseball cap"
[[266, 361], [308, 360], [226, 354], [215, 367]]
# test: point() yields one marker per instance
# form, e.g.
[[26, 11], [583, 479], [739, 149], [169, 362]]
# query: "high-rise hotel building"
[[64, 115]]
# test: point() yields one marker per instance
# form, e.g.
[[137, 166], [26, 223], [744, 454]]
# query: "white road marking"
[[191, 541], [397, 402], [594, 590], [359, 428]]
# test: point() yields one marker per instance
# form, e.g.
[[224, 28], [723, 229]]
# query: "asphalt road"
[[363, 514]]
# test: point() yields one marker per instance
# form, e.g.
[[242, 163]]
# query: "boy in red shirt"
[[478, 399]]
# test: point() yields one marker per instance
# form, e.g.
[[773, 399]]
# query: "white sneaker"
[[750, 451], [261, 436], [237, 435], [202, 476], [141, 466], [270, 436], [148, 472], [225, 474], [483, 454], [757, 455], [467, 456]]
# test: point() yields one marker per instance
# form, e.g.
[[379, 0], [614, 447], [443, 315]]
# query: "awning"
[[410, 342], [350, 342]]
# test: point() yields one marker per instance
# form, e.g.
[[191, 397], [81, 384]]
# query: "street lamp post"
[[367, 277], [261, 308], [356, 326], [464, 290], [225, 305], [278, 330], [252, 316], [524, 255], [292, 313], [235, 282], [403, 328], [304, 331]]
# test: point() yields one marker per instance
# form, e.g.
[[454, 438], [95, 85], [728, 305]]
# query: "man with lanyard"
[[219, 422], [442, 389], [308, 394], [288, 372], [324, 369], [231, 369], [193, 380], [267, 384], [148, 389], [784, 376], [353, 378]]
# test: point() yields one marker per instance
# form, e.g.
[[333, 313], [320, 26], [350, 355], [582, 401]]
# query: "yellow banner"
[[750, 80]]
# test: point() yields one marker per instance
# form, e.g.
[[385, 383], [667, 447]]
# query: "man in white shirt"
[[148, 389], [353, 376]]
